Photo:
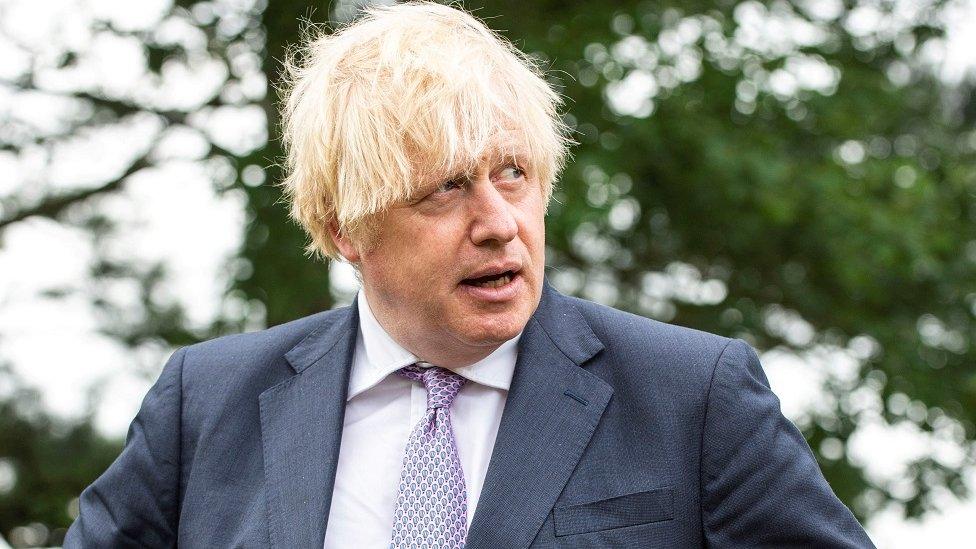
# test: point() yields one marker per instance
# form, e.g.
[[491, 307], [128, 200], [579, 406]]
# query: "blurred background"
[[798, 174]]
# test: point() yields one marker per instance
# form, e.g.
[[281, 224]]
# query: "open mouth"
[[491, 281]]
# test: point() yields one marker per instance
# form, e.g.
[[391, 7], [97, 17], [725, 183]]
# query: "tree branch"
[[55, 205], [119, 106]]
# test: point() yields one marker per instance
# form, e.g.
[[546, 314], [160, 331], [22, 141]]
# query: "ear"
[[343, 243]]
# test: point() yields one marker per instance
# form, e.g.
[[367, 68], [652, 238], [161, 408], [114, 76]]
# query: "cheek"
[[440, 241], [534, 223]]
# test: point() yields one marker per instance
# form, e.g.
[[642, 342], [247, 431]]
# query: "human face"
[[457, 270]]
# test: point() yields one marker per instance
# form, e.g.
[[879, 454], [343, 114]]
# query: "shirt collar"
[[379, 355]]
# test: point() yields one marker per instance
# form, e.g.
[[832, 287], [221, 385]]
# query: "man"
[[460, 401]]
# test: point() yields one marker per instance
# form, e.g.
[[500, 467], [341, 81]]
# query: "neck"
[[446, 358], [436, 348]]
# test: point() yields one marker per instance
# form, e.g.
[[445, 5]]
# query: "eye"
[[511, 173], [449, 185]]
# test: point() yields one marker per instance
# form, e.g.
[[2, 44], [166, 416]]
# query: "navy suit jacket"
[[618, 431]]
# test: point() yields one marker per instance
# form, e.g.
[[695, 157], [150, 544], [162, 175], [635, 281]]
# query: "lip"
[[494, 270], [500, 294]]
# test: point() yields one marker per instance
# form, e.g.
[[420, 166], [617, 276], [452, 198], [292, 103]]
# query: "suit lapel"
[[552, 410], [301, 427]]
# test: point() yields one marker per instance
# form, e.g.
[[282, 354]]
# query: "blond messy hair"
[[405, 92]]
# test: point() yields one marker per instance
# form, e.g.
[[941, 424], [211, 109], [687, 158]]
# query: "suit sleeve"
[[135, 502], [761, 485]]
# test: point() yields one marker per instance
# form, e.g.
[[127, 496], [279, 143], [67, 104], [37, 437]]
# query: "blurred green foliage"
[[53, 462], [807, 187]]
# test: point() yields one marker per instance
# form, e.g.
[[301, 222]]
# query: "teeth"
[[498, 282]]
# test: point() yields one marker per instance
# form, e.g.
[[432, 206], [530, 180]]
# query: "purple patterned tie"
[[432, 504]]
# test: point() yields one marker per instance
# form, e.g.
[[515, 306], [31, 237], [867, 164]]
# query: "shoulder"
[[253, 345], [651, 357], [220, 380], [258, 357], [627, 335]]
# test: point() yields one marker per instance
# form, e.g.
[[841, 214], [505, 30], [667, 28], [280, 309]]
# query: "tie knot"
[[442, 384]]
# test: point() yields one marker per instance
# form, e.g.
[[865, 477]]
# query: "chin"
[[494, 332]]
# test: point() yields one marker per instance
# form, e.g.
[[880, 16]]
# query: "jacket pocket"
[[627, 510]]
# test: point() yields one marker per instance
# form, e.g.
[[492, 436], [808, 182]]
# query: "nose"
[[493, 216]]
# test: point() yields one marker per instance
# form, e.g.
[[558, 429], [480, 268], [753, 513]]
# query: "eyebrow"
[[519, 157], [506, 151]]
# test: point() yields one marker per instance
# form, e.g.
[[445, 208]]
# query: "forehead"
[[505, 145], [508, 144]]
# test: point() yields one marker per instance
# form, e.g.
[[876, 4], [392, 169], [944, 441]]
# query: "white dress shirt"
[[382, 409]]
